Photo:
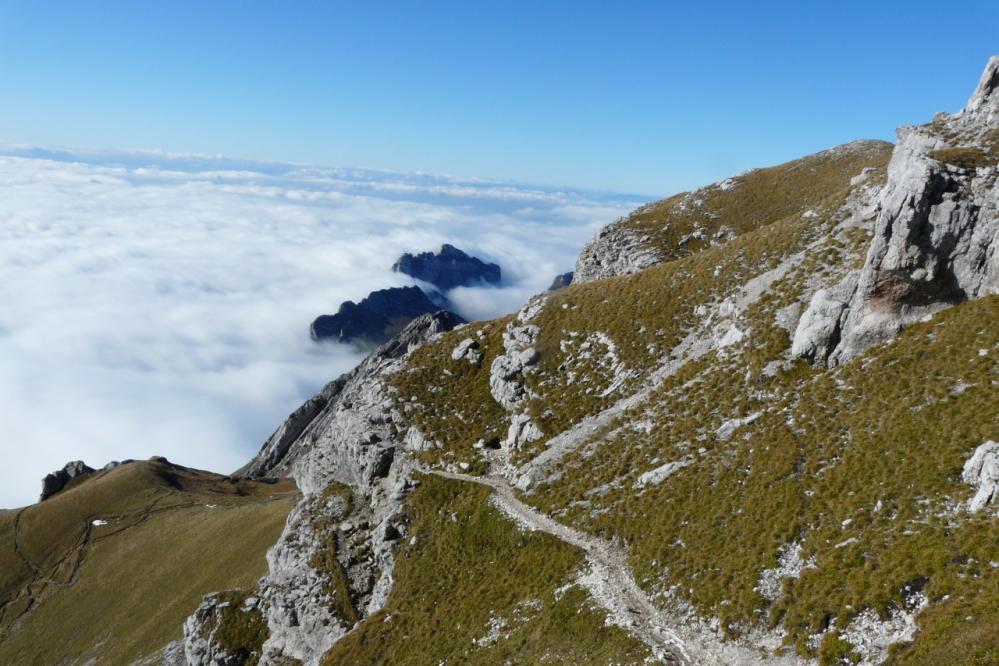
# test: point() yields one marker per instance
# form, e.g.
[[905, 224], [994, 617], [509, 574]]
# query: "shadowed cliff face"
[[448, 268]]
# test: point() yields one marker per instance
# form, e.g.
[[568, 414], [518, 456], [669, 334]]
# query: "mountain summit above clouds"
[[758, 427]]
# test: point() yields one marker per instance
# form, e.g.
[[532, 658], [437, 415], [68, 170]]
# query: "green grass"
[[141, 575], [470, 565], [325, 560], [452, 404], [828, 447], [755, 199], [832, 445], [965, 157], [239, 630]]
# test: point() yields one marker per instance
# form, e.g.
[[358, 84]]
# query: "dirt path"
[[674, 636], [609, 581]]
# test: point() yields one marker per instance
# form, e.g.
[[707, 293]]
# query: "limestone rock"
[[57, 480], [506, 375], [820, 327], [982, 472], [467, 349], [614, 251], [448, 268], [656, 476], [936, 237], [522, 430]]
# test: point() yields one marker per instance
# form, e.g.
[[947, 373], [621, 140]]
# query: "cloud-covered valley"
[[159, 305]]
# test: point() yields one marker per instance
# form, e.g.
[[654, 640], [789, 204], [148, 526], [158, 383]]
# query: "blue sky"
[[636, 97]]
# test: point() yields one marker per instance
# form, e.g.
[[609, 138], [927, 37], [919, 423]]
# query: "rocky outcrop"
[[506, 375], [348, 434], [376, 318], [820, 328], [57, 480], [467, 349], [448, 268], [561, 281], [301, 431], [936, 236], [982, 472], [614, 251]]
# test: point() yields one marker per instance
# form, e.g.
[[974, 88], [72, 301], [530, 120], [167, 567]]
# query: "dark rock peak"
[[448, 268], [57, 480], [376, 318], [560, 281]]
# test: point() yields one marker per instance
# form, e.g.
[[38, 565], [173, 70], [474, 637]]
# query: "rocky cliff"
[[936, 238]]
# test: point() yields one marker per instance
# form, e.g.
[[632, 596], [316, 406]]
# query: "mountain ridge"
[[731, 439]]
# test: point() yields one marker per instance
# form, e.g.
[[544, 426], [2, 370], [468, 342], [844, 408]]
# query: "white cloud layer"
[[153, 304]]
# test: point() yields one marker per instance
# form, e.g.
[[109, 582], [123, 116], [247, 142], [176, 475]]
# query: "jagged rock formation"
[[348, 434], [560, 281], [376, 318], [936, 238], [615, 250], [57, 480], [448, 268]]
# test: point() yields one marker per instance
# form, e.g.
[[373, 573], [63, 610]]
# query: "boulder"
[[448, 268], [467, 349], [982, 472]]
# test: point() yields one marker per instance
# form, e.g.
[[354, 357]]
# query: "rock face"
[[614, 251], [448, 268], [982, 472], [57, 480], [375, 319], [346, 434], [936, 236], [560, 281], [506, 374]]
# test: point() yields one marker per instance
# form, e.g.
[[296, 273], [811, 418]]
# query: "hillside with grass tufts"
[[759, 427]]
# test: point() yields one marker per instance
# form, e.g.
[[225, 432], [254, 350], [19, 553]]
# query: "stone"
[[376, 318], [820, 327], [57, 480], [614, 251], [656, 476], [982, 471], [448, 268], [506, 374], [936, 238], [521, 431], [467, 349]]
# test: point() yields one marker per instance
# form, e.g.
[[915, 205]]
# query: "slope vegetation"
[[112, 565]]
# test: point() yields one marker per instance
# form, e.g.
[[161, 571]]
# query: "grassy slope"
[[889, 427], [751, 200], [126, 587], [645, 314], [470, 565]]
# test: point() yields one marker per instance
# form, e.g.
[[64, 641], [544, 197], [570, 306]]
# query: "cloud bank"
[[156, 304]]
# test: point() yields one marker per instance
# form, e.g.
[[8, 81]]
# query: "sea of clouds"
[[156, 304]]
